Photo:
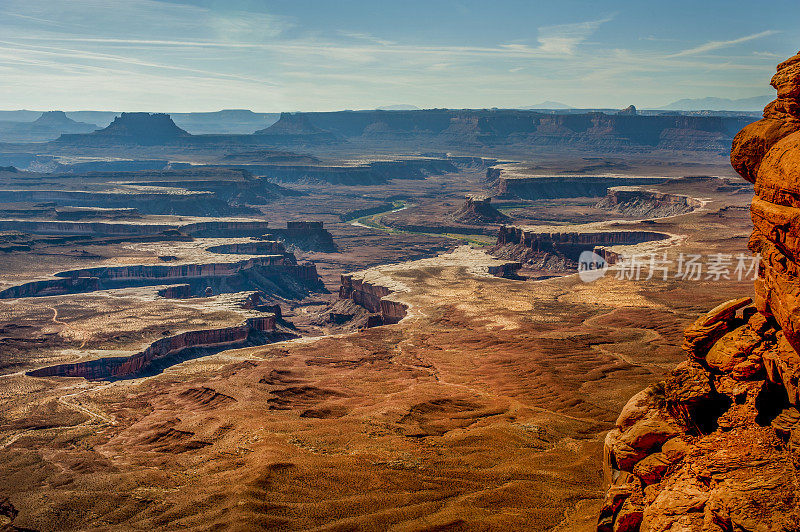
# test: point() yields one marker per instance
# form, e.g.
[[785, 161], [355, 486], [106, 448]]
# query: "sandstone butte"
[[716, 445]]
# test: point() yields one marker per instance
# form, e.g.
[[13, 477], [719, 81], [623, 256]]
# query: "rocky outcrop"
[[479, 211], [172, 350], [716, 445], [545, 250], [308, 236], [642, 203], [373, 297]]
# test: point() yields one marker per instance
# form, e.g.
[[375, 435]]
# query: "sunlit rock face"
[[767, 153], [716, 445]]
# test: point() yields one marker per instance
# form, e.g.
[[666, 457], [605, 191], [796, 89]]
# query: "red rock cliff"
[[716, 446]]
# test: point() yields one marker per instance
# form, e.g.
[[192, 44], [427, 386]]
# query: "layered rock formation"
[[273, 270], [171, 350], [310, 236], [642, 203], [373, 296], [543, 249], [716, 446]]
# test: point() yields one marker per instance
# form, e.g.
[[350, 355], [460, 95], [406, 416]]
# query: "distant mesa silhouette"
[[59, 119], [142, 128]]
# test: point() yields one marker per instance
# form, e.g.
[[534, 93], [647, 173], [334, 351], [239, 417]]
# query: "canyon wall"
[[543, 187], [311, 236], [263, 247], [276, 274], [716, 445], [560, 251], [82, 228], [170, 350]]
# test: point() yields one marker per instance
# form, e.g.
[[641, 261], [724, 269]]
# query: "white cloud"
[[87, 53], [716, 45], [565, 38]]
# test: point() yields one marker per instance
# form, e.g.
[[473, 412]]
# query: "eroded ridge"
[[716, 445]]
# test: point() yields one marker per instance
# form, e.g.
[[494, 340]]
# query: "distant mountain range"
[[711, 103]]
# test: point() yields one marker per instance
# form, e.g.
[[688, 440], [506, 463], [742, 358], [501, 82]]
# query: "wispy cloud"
[[187, 57], [717, 45], [565, 38]]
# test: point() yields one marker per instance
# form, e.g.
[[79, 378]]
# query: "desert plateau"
[[393, 317]]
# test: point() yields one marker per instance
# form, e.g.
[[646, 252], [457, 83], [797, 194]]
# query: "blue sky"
[[205, 55]]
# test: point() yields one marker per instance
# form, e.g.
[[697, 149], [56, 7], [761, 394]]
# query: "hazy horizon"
[[207, 55]]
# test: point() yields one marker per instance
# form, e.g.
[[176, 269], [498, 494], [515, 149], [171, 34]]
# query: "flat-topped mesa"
[[546, 250], [716, 445], [640, 202], [134, 128], [172, 350]]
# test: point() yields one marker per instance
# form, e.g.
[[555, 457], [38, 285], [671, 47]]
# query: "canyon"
[[350, 320]]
